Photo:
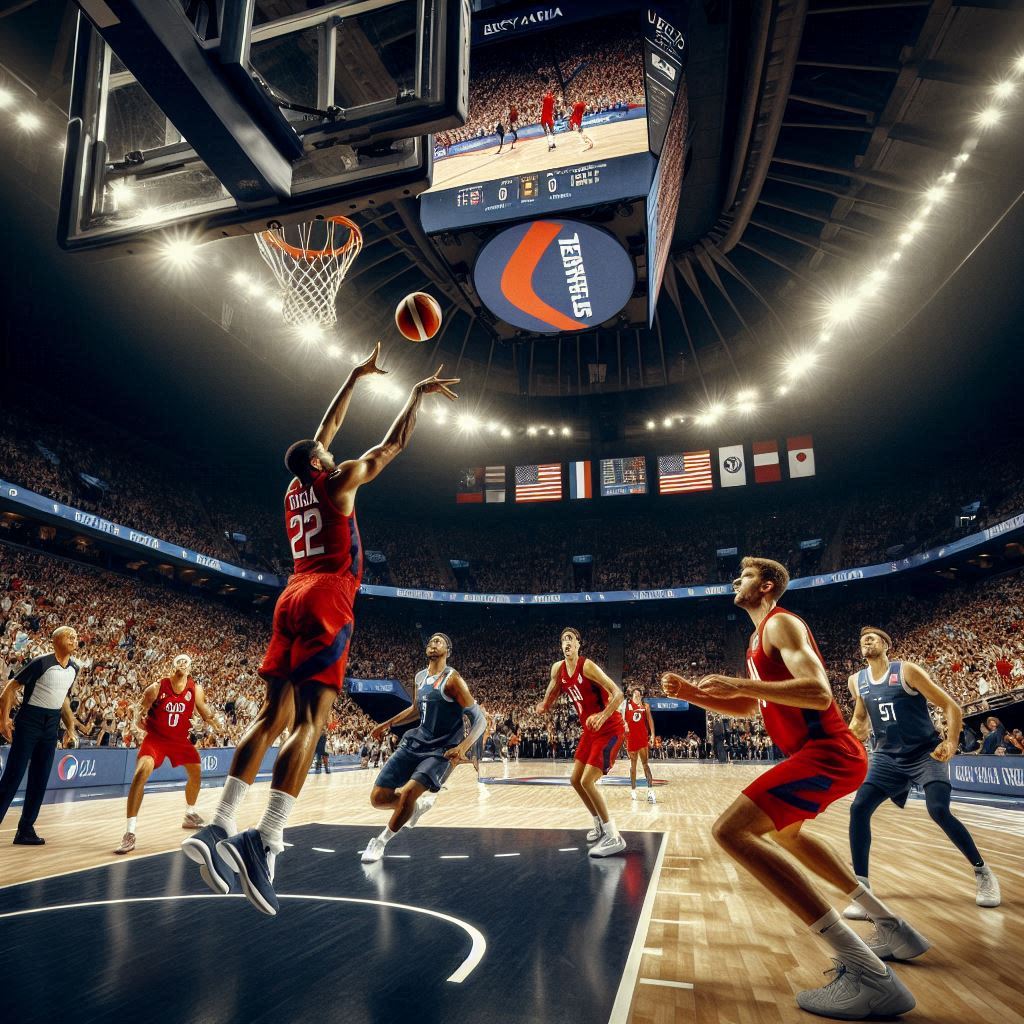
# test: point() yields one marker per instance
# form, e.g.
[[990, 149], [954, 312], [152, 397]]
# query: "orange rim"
[[355, 238]]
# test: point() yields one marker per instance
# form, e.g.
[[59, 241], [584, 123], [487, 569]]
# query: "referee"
[[47, 681]]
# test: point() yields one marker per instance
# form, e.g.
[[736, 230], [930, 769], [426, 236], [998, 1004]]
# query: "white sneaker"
[[632, 794], [988, 887], [608, 846], [894, 939], [855, 912], [594, 834], [422, 805], [651, 798], [374, 851], [854, 995]]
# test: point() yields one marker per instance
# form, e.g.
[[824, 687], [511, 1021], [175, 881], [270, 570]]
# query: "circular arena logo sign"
[[552, 276], [67, 768]]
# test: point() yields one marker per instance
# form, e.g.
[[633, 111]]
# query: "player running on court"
[[597, 700], [165, 715], [891, 701], [304, 666], [547, 117], [639, 737], [415, 772], [576, 124], [824, 762]]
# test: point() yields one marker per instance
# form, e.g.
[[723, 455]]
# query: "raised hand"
[[369, 365], [673, 685], [437, 385]]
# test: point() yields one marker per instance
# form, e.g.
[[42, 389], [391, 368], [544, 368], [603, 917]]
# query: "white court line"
[[506, 855], [463, 971], [320, 849], [454, 856], [567, 849], [670, 868], [677, 856], [398, 856], [667, 984], [674, 892], [652, 951], [631, 969], [669, 920]]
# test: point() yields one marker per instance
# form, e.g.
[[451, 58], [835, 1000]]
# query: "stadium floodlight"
[[824, 337], [122, 193], [309, 334], [505, 432], [493, 426], [551, 431], [667, 421], [962, 157], [532, 431], [6, 98], [241, 278], [29, 122], [799, 364], [333, 350], [988, 118], [468, 422], [566, 432], [651, 424], [783, 390], [1004, 90], [181, 252], [746, 395], [1018, 65], [715, 409], [843, 308], [936, 193], [275, 304]]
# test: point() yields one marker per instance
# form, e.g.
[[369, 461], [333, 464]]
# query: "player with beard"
[[787, 682]]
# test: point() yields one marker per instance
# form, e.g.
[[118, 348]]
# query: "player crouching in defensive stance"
[[415, 772], [597, 700], [166, 717], [824, 761]]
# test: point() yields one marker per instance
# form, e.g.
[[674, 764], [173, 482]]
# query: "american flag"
[[539, 483], [690, 471]]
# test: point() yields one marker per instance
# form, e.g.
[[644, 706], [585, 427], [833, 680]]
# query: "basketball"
[[418, 316]]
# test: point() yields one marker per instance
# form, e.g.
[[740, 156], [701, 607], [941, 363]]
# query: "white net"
[[310, 267]]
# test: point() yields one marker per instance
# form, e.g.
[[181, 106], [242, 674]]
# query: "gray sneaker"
[[854, 995], [594, 834], [608, 846], [988, 887], [894, 939], [855, 912]]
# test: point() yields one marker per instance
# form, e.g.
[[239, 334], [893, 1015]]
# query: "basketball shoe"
[[201, 847], [854, 994], [246, 855]]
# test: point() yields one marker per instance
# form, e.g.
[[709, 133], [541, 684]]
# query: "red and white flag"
[[801, 456], [766, 462]]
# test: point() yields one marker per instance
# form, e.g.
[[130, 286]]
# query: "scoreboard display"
[[623, 476]]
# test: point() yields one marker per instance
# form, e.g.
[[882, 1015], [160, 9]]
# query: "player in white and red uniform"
[[166, 716], [596, 700], [639, 735], [547, 117], [789, 685], [304, 666], [579, 108]]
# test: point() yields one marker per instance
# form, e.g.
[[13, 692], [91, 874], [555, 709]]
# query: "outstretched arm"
[[336, 411], [736, 705], [351, 475]]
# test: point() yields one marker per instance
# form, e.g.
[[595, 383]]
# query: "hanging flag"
[[732, 468], [539, 483], [579, 480], [801, 455], [494, 484], [471, 486], [690, 471], [766, 462]]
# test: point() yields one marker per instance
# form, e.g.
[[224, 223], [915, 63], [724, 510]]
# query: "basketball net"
[[311, 276]]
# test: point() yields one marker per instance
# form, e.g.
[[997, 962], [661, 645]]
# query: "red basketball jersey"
[[322, 538], [513, 115], [587, 697], [577, 112], [790, 728], [170, 716], [636, 721], [547, 109]]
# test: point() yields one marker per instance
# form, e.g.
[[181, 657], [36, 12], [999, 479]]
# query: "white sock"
[[131, 825], [610, 829], [231, 797], [275, 817], [871, 904], [387, 835], [190, 808], [848, 946]]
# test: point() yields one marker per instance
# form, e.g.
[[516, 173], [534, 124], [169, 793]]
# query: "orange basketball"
[[418, 316]]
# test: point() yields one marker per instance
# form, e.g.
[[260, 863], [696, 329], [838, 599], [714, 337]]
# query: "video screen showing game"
[[623, 476]]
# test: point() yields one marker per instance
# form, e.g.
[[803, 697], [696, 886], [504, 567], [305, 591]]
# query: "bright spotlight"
[[1004, 90], [715, 409], [6, 98], [180, 252], [532, 431], [651, 424], [551, 431], [896, 256], [29, 122], [334, 351], [783, 389], [468, 422], [962, 158], [309, 334], [843, 308], [241, 278], [800, 364], [746, 395], [667, 421], [505, 432], [825, 337], [1018, 64], [275, 304], [988, 118], [936, 193], [566, 432], [122, 193]]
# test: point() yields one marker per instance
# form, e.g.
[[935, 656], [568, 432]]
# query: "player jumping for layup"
[[639, 736], [429, 752], [304, 666], [787, 680], [892, 700], [166, 716], [596, 699]]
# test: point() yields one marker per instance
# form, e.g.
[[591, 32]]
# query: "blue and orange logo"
[[554, 276], [67, 768]]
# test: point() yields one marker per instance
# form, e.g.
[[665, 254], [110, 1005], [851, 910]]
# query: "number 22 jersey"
[[322, 538]]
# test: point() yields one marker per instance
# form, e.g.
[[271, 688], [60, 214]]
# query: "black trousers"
[[33, 747]]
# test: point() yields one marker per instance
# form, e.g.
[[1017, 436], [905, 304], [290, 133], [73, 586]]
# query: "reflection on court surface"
[[475, 925]]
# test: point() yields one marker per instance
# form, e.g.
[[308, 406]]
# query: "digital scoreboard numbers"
[[623, 476]]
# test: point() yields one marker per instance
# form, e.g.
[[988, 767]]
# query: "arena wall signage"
[[1001, 775], [554, 276]]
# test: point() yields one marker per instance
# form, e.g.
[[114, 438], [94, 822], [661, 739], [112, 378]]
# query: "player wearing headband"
[[415, 772], [597, 700], [166, 717]]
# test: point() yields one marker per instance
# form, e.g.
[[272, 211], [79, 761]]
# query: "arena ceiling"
[[822, 133]]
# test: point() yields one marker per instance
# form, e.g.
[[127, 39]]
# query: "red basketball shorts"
[[574, 125], [637, 739], [599, 749], [159, 747], [548, 124], [818, 774], [312, 629]]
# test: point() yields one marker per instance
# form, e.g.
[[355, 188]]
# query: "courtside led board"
[[554, 276]]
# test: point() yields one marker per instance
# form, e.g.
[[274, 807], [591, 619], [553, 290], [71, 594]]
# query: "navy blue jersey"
[[899, 715], [440, 715]]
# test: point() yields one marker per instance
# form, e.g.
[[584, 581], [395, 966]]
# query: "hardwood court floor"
[[718, 950], [532, 155]]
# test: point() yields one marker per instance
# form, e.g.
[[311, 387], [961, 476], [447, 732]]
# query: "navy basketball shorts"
[[429, 768], [895, 776]]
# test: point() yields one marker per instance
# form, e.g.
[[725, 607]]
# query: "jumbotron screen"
[[623, 476], [557, 116]]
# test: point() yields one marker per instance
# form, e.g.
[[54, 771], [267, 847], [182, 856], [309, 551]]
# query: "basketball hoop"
[[310, 277]]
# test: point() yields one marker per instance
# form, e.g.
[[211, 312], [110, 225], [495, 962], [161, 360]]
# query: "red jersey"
[[170, 716], [636, 722], [577, 112], [513, 115], [587, 697], [547, 108], [322, 538], [790, 728]]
